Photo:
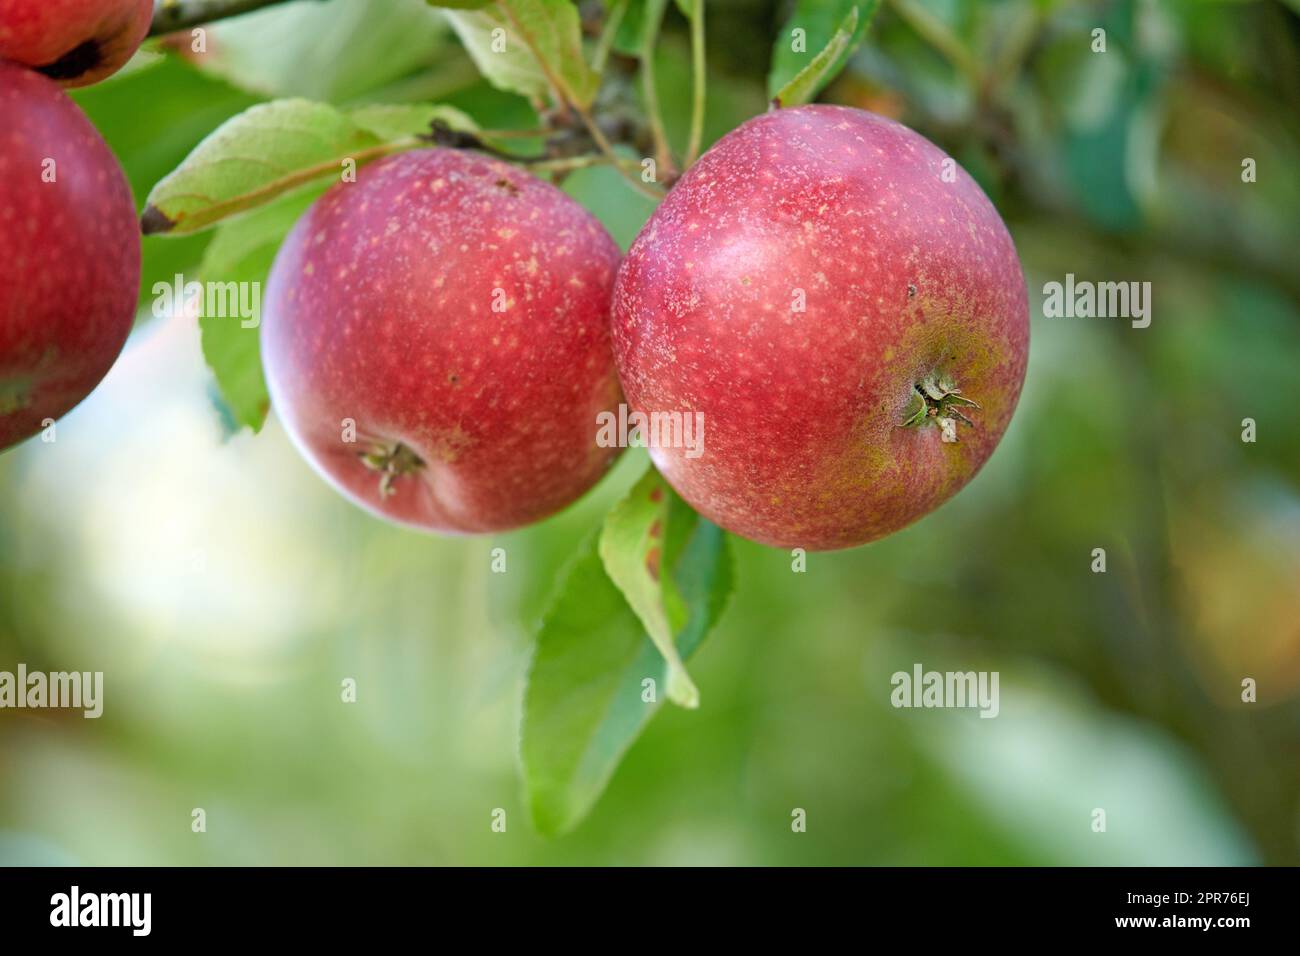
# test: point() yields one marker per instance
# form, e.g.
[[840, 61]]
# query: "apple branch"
[[172, 15], [603, 144], [448, 138]]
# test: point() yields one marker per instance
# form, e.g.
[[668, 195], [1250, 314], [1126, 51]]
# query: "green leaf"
[[184, 106], [537, 51], [650, 24], [242, 251], [628, 39], [836, 27], [254, 157], [504, 60], [583, 703], [632, 546], [329, 52], [639, 31], [392, 123]]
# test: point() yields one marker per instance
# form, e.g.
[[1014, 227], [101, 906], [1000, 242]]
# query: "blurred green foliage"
[[226, 592]]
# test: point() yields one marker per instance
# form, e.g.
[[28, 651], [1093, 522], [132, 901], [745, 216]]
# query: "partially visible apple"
[[436, 342], [76, 42], [69, 254], [844, 307]]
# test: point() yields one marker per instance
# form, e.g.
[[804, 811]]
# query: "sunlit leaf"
[[394, 122], [330, 52], [530, 47], [255, 157], [586, 698], [632, 545], [242, 252], [834, 28]]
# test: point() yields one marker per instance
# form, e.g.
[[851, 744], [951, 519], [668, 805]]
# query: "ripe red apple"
[[436, 341], [837, 298], [69, 254], [76, 42]]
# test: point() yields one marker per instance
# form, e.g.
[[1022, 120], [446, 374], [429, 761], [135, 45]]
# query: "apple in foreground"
[[76, 42], [436, 342], [69, 254], [846, 310]]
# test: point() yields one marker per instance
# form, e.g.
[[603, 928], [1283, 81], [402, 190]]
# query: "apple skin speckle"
[[797, 286], [456, 307], [69, 254]]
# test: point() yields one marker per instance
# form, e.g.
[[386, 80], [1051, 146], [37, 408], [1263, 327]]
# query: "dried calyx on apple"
[[74, 42], [937, 399]]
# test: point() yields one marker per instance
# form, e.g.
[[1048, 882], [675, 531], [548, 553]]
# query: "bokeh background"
[[225, 591]]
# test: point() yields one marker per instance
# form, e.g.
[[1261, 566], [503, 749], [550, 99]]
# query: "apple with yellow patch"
[[845, 308]]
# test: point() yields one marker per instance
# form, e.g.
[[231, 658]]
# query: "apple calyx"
[[392, 462], [77, 62], [935, 399]]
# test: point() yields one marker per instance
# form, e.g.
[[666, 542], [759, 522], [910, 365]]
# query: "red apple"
[[836, 298], [69, 254], [436, 341], [76, 42]]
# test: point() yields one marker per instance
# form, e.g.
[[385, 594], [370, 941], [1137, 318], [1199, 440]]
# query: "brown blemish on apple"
[[652, 563], [15, 393], [449, 447]]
